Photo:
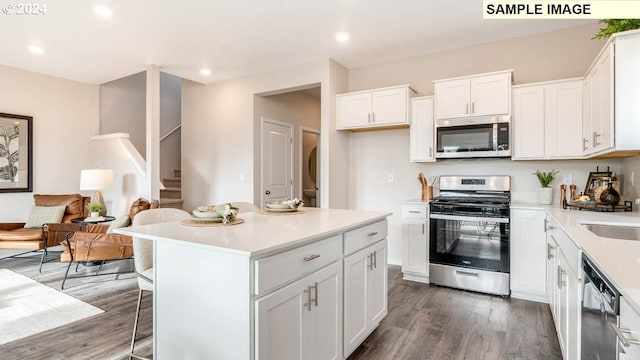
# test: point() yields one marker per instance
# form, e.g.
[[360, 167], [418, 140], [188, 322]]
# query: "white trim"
[[301, 130], [110, 136], [378, 89], [550, 82], [411, 276], [476, 75], [530, 295], [170, 132]]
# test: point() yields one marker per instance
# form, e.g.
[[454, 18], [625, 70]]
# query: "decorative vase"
[[545, 195], [95, 214], [610, 196]]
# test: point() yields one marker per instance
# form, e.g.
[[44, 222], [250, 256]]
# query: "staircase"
[[171, 195]]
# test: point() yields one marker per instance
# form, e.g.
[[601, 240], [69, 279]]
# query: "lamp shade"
[[96, 179]]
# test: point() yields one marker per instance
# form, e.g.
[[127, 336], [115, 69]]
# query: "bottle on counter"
[[563, 196], [572, 189]]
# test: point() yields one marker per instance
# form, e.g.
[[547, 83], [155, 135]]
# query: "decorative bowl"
[[278, 204], [206, 214]]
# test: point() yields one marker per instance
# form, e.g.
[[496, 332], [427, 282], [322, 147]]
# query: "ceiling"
[[236, 38]]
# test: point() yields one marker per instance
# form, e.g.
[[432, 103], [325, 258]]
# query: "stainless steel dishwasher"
[[600, 309]]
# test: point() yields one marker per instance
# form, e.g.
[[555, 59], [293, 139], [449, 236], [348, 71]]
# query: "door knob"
[[268, 192]]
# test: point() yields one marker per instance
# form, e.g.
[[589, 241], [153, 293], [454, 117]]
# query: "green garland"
[[616, 26]]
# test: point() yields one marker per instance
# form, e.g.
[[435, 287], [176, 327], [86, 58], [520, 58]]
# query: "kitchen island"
[[310, 285]]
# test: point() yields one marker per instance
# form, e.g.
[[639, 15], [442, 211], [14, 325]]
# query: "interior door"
[[277, 154]]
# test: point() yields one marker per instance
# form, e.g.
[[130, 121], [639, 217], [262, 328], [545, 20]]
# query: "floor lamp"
[[96, 179]]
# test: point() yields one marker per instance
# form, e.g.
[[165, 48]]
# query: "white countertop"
[[619, 260], [417, 202], [260, 234]]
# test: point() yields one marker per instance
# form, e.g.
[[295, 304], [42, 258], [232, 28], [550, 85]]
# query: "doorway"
[[310, 166], [277, 160]]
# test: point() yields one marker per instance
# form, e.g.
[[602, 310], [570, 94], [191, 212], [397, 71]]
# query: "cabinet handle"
[[414, 211], [561, 273], [430, 151], [315, 291], [370, 260], [549, 249], [545, 224], [311, 257], [373, 117], [308, 303], [375, 259], [422, 229], [372, 233], [369, 117], [584, 144], [473, 107], [623, 339], [466, 111], [595, 139], [467, 273]]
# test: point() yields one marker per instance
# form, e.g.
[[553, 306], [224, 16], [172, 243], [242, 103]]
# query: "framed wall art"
[[16, 153]]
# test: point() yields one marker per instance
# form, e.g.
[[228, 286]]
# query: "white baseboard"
[[422, 278], [530, 295]]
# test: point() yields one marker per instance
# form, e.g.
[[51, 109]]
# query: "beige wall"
[[373, 155], [296, 108], [170, 113], [64, 114], [631, 191], [219, 122]]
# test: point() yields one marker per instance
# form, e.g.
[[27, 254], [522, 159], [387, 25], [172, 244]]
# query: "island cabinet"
[[272, 288], [365, 288], [477, 95], [372, 109]]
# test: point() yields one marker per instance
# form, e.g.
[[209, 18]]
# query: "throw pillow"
[[41, 215], [121, 221]]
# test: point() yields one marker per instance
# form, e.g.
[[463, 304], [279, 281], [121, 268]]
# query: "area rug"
[[28, 307]]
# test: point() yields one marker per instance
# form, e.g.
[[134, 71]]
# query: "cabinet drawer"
[[364, 236], [279, 269], [413, 212], [570, 251]]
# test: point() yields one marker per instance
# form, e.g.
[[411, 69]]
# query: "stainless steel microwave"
[[473, 137]]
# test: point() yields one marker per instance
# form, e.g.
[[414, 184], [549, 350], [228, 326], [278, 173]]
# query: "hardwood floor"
[[431, 322], [424, 322]]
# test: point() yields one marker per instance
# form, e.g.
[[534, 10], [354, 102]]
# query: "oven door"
[[472, 242]]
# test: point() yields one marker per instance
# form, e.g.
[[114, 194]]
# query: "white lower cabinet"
[[630, 330], [528, 254], [415, 241], [365, 293], [302, 320]]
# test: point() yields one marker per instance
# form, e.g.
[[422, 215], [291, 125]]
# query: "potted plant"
[[616, 26], [94, 209], [545, 193]]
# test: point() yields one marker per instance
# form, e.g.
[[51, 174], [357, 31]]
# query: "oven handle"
[[469, 218]]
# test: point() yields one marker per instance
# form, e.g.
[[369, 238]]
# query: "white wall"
[[296, 108], [122, 108], [64, 114], [373, 155], [631, 191], [218, 121]]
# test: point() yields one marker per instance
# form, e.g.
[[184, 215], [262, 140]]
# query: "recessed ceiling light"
[[342, 36], [205, 72], [102, 11], [36, 49]]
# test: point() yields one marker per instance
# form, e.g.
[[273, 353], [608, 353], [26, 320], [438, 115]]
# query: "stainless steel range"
[[469, 234]]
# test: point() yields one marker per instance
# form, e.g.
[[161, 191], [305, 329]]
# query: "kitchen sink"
[[623, 232]]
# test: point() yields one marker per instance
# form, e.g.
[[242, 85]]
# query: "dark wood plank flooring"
[[424, 322]]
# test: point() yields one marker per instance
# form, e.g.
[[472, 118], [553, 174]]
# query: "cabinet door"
[[528, 123], [603, 137], [586, 115], [421, 131], [389, 107], [491, 95], [563, 119], [452, 99], [574, 298], [353, 110], [415, 250], [630, 324], [528, 254], [377, 286], [562, 317], [325, 317], [280, 319], [552, 267], [356, 275]]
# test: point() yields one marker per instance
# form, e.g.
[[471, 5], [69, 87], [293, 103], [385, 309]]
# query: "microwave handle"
[[495, 138]]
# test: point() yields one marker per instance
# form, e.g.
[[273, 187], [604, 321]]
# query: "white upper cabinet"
[[421, 131], [388, 107], [611, 90], [547, 120], [478, 95]]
